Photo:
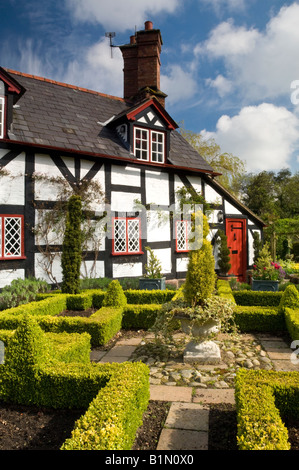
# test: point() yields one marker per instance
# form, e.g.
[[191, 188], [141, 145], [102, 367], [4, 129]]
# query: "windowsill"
[[128, 253], [11, 258], [182, 251]]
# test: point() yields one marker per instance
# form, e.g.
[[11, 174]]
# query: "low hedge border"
[[257, 298], [115, 395], [115, 414], [261, 398], [292, 322]]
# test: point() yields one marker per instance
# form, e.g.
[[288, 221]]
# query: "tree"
[[232, 168], [72, 247]]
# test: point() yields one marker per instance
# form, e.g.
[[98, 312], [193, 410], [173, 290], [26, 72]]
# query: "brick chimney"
[[142, 65]]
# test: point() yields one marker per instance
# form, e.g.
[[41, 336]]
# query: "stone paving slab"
[[178, 439], [188, 416], [214, 395], [171, 393], [134, 341], [286, 366]]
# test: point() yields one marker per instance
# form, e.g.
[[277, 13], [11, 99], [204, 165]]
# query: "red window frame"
[[149, 144], [126, 251], [178, 249], [3, 242], [2, 117]]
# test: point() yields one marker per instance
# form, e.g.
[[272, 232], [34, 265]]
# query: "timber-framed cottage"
[[131, 146]]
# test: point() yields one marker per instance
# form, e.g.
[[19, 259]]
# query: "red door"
[[236, 242]]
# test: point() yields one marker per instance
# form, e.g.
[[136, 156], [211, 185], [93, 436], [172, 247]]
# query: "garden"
[[46, 372]]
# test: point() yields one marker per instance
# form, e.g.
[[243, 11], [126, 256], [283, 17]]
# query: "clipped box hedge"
[[148, 296], [257, 298], [262, 397], [292, 322], [140, 316], [252, 318], [115, 395]]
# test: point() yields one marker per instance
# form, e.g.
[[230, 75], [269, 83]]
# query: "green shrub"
[[154, 296], [292, 322], [257, 298], [256, 318], [71, 257], [290, 298], [79, 301], [21, 291], [201, 277], [223, 254], [115, 414], [115, 296], [140, 316], [261, 398], [224, 290]]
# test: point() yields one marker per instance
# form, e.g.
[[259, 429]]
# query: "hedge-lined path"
[[191, 389]]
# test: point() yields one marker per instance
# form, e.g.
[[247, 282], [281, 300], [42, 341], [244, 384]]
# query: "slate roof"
[[56, 115]]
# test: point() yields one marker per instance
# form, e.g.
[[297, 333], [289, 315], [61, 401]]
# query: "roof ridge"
[[66, 85]]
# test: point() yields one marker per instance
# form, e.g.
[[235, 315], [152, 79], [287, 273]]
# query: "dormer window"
[[149, 145], [2, 109]]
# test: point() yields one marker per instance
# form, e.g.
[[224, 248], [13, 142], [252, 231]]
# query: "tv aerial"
[[111, 36]]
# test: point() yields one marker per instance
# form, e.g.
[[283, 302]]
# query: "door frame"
[[243, 219]]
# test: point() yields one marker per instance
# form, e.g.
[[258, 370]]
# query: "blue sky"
[[230, 67]]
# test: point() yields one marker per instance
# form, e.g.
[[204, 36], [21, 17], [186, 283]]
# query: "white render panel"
[[164, 256], [52, 237], [70, 163], [124, 202], [125, 175], [158, 226], [92, 269], [211, 196], [97, 243], [42, 266], [157, 188], [230, 209], [250, 246], [127, 270], [182, 264], [8, 275], [99, 202], [196, 183], [178, 184], [44, 189], [12, 184]]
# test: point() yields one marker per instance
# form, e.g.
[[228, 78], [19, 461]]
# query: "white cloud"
[[96, 70], [263, 136], [228, 40], [119, 14], [218, 5], [179, 84], [222, 85], [260, 64]]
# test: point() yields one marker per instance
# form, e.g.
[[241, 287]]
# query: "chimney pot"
[[148, 25], [133, 39]]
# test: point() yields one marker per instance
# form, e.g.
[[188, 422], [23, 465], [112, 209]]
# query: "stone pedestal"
[[204, 352]]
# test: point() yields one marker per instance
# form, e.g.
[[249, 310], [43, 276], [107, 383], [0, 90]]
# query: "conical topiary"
[[201, 277], [115, 296], [72, 247], [290, 298], [224, 254]]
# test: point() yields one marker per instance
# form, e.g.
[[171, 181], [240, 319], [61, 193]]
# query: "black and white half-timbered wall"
[[131, 148]]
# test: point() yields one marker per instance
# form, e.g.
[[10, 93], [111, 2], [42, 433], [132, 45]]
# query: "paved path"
[[187, 423]]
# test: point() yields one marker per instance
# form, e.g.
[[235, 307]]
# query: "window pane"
[[157, 147], [133, 235], [12, 236], [120, 235]]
